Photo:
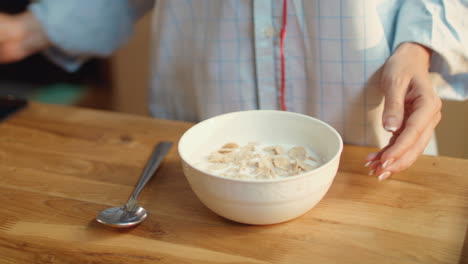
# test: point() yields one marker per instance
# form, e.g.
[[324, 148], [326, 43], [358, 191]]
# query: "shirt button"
[[269, 32]]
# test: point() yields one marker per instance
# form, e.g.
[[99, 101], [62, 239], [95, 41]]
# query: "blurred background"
[[120, 83]]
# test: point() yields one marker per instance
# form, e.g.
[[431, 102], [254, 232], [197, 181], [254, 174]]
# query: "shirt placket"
[[264, 32]]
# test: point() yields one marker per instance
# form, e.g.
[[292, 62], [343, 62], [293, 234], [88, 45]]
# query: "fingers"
[[9, 33], [370, 157], [20, 36], [395, 87], [426, 110], [409, 157], [422, 114], [7, 27], [411, 110], [10, 53], [373, 159]]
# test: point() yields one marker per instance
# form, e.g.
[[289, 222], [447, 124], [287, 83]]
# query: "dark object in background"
[[38, 70], [13, 6], [10, 105]]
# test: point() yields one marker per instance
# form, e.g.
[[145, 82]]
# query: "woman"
[[362, 66]]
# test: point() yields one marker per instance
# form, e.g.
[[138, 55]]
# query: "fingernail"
[[390, 128], [386, 163], [368, 163], [384, 175], [391, 124], [371, 172]]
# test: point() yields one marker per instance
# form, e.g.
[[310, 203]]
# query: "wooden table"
[[59, 166]]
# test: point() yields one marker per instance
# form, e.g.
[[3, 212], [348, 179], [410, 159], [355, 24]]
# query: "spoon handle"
[[151, 166]]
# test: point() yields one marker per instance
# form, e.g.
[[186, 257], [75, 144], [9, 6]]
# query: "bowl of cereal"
[[261, 166]]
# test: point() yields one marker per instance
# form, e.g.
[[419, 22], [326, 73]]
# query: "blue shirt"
[[211, 57]]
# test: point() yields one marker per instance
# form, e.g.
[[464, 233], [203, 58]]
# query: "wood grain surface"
[[60, 166]]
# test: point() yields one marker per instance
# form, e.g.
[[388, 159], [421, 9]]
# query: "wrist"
[[417, 52]]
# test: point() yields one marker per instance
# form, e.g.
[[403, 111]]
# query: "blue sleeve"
[[441, 25], [81, 29]]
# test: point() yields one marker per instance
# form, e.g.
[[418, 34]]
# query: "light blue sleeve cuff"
[[439, 25], [62, 59], [81, 29], [413, 24]]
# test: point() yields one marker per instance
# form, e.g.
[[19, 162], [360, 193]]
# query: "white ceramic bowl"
[[261, 201]]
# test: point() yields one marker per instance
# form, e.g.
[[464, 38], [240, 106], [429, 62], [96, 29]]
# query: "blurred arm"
[[81, 29]]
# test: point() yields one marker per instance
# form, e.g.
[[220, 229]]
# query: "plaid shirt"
[[211, 57]]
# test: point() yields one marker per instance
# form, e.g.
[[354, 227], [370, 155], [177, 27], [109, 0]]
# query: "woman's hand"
[[20, 36], [411, 112]]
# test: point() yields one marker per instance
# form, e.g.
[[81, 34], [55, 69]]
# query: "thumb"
[[394, 108]]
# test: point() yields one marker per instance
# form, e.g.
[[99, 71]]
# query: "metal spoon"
[[131, 213]]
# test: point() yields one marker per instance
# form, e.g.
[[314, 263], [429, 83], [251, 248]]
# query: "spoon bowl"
[[132, 213], [121, 217]]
